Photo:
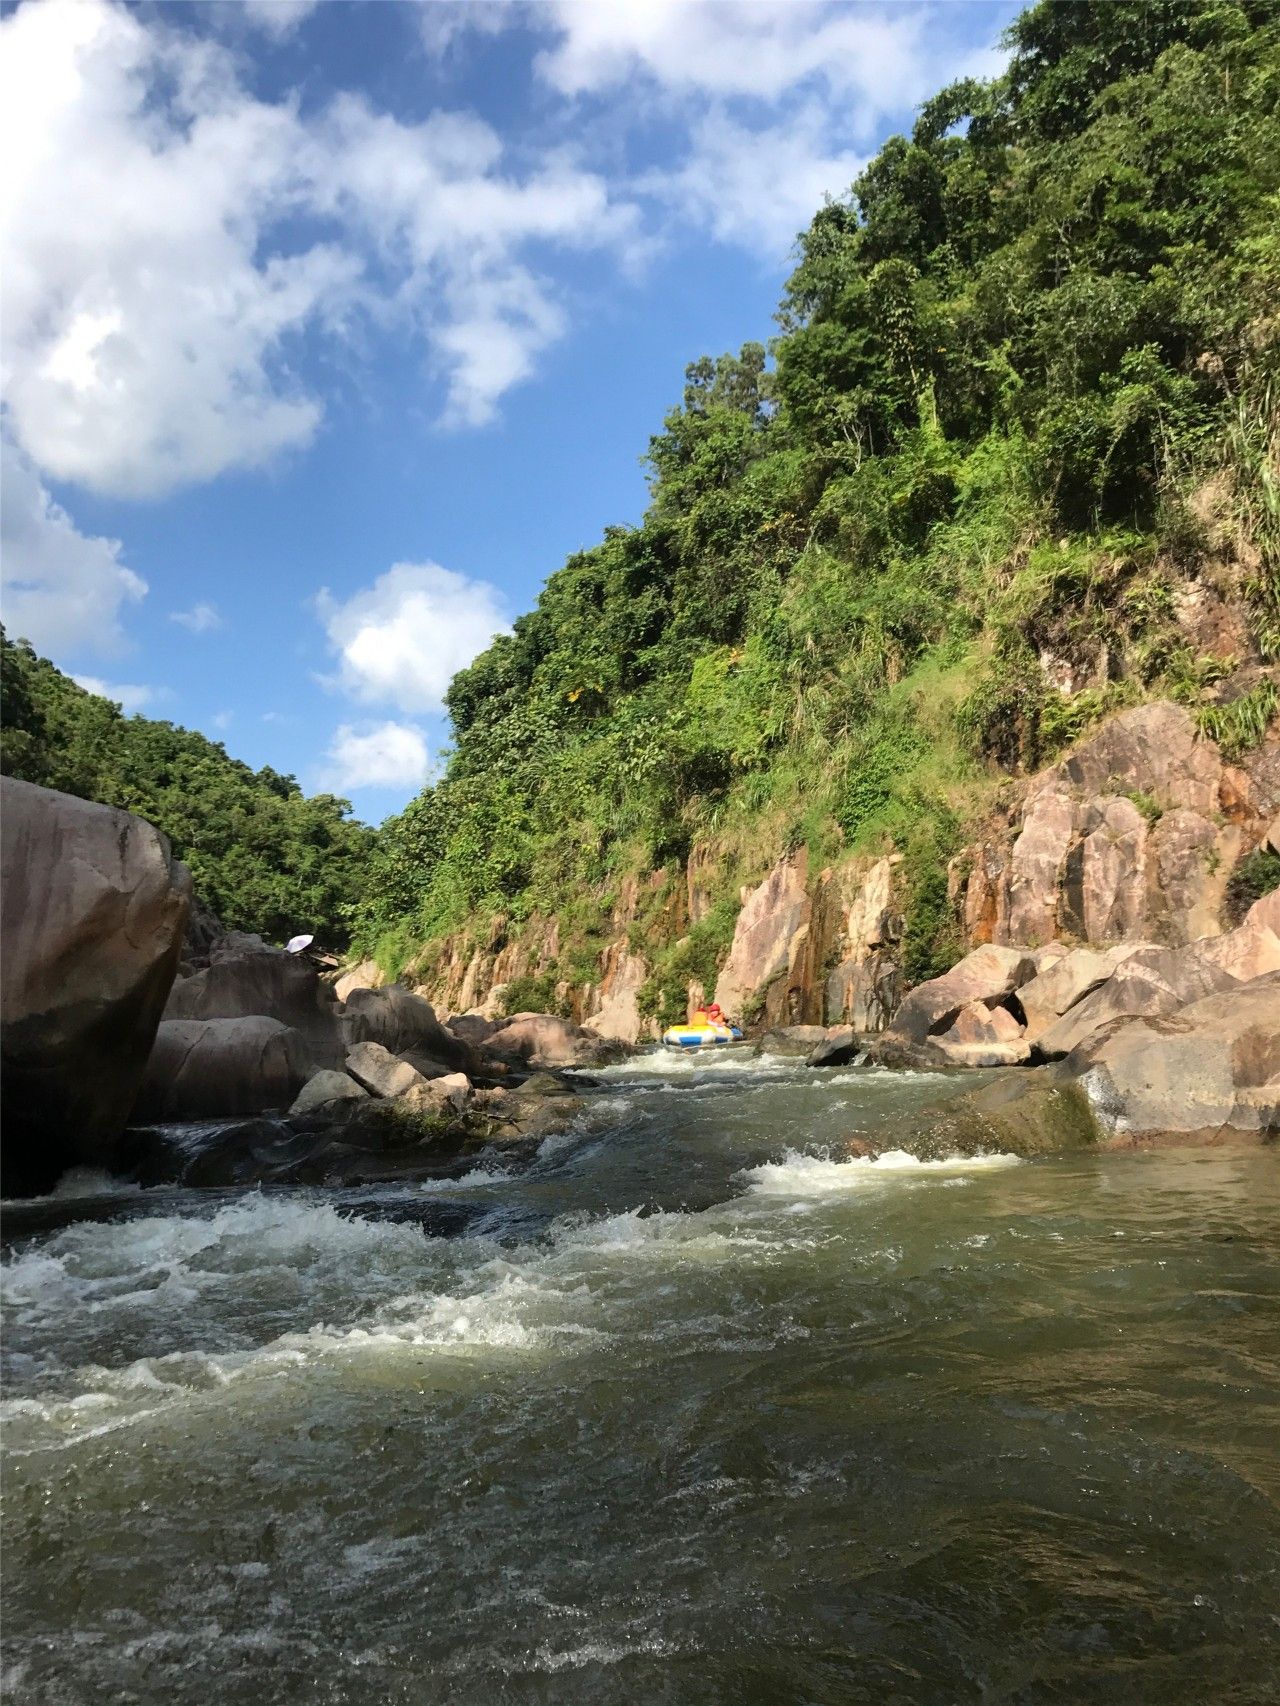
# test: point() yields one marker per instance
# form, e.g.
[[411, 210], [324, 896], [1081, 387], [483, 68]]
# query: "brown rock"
[[1265, 911], [1251, 950], [541, 1039], [1052, 992], [989, 974], [93, 912], [978, 1023], [217, 1068], [1151, 982]]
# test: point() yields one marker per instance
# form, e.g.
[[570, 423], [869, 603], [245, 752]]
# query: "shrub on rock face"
[[93, 914]]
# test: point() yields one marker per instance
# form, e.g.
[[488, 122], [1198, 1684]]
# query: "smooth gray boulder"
[[244, 979], [793, 1039], [93, 910], [1210, 1069], [542, 1039], [382, 1072], [217, 1068], [988, 974], [322, 1089], [404, 1024], [837, 1048]]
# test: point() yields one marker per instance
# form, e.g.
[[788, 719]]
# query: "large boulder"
[[793, 1039], [381, 1072], [245, 978], [93, 911], [1056, 989], [978, 1024], [404, 1024], [989, 974], [1211, 1068], [542, 1040], [1152, 983], [323, 1089], [203, 1069]]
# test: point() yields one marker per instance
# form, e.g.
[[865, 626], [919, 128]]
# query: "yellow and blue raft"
[[703, 1034]]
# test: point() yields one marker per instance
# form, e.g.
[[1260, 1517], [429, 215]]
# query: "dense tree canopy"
[[262, 855], [1008, 361]]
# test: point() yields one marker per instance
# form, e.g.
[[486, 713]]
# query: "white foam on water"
[[681, 1068], [802, 1175], [477, 1179]]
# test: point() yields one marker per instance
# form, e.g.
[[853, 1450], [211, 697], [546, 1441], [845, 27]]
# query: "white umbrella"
[[296, 944]]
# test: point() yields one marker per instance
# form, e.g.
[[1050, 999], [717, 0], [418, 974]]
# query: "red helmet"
[[714, 1008]]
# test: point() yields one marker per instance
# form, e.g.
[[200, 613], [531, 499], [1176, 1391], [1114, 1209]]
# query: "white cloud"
[[759, 49], [277, 18], [169, 237], [130, 697], [388, 755], [202, 618], [759, 188], [61, 589], [222, 720], [402, 640]]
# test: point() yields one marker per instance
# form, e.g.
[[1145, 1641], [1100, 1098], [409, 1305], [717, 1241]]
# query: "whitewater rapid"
[[704, 1403]]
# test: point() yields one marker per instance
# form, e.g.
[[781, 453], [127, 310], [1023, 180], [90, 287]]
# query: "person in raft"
[[709, 1016]]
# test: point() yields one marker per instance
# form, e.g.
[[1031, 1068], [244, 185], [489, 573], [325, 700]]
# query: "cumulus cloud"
[[130, 696], [277, 18], [170, 237], [59, 588], [759, 187], [761, 49], [401, 641], [202, 618], [385, 755]]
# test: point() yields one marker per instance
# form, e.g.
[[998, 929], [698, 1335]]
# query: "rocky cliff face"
[[1132, 837]]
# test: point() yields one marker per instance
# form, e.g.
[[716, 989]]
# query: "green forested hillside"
[[262, 855], [1024, 393]]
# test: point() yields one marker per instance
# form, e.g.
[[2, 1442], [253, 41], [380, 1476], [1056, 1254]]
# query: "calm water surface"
[[699, 1410]]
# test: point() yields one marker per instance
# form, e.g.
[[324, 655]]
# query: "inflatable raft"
[[701, 1036]]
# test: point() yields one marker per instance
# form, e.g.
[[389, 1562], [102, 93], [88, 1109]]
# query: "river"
[[695, 1409]]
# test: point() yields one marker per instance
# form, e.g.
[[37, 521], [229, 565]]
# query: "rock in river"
[[93, 912]]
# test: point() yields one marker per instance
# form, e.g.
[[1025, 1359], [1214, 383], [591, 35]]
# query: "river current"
[[698, 1408]]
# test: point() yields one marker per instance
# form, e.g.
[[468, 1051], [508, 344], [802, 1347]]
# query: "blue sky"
[[330, 330]]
